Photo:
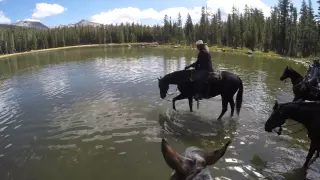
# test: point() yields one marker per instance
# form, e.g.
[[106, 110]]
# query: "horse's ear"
[[172, 158], [212, 157]]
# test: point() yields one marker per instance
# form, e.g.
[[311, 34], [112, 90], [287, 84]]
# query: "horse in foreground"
[[193, 165], [305, 113], [296, 78], [226, 86]]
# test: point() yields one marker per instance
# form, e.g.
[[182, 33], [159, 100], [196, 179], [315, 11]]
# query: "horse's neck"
[[295, 78], [296, 114], [177, 77]]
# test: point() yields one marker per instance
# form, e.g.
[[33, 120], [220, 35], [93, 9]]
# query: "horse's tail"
[[239, 97]]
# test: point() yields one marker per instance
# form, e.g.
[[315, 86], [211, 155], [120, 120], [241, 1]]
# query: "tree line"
[[283, 32]]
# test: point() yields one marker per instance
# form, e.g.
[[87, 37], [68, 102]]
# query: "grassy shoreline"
[[69, 47], [244, 51], [227, 50]]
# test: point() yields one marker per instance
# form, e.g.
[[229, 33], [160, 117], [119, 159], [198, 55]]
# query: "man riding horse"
[[314, 73], [310, 82], [203, 67]]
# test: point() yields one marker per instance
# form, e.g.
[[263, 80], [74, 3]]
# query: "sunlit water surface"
[[96, 113]]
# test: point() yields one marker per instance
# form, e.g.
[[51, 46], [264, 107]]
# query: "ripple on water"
[[97, 137], [65, 146], [55, 81], [132, 133], [8, 145], [151, 134], [123, 141], [3, 128], [221, 178]]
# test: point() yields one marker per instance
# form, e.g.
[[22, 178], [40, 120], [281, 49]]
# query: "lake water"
[[96, 113]]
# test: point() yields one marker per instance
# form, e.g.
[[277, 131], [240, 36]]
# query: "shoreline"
[[244, 51], [226, 50], [70, 47]]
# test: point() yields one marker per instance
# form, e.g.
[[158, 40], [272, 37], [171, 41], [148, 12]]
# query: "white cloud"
[[4, 18], [32, 20], [226, 6], [44, 9], [135, 15], [132, 14]]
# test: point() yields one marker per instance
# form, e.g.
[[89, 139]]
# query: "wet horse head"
[[292, 74], [163, 86], [276, 119], [193, 165]]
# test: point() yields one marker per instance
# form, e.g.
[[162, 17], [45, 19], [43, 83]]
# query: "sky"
[[57, 12]]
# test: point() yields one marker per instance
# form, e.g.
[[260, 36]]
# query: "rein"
[[280, 129]]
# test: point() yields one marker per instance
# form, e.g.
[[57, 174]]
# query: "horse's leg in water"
[[190, 103], [224, 106], [231, 102], [312, 150], [179, 97]]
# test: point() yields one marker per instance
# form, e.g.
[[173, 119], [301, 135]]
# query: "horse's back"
[[227, 75]]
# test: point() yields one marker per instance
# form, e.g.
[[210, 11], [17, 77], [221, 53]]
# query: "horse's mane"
[[175, 73], [178, 72], [294, 71], [309, 104], [194, 153]]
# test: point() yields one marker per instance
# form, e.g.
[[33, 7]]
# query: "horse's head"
[[286, 73], [192, 166], [164, 87], [276, 119]]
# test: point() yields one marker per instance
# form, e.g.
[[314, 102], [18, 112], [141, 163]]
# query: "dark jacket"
[[203, 62]]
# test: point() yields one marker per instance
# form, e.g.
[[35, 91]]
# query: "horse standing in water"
[[305, 113], [193, 166], [297, 83], [227, 86]]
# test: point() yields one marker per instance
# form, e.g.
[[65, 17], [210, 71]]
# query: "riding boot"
[[199, 94]]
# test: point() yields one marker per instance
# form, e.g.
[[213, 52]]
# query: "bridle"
[[279, 132]]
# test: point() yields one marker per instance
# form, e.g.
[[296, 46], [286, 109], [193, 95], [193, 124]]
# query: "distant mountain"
[[6, 25], [61, 26], [30, 24], [83, 22], [87, 23], [39, 25]]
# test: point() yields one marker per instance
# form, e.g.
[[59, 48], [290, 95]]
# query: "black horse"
[[299, 87], [227, 86], [306, 113]]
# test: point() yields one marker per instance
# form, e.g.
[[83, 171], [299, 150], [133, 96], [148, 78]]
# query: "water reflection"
[[54, 82], [64, 111]]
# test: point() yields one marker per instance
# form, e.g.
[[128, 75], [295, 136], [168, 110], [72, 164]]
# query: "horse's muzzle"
[[267, 129]]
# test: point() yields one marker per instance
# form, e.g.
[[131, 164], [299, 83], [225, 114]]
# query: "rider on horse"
[[203, 67], [314, 73]]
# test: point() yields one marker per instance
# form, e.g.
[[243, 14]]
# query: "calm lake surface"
[[96, 113]]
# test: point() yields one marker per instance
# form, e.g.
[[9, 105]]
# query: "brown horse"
[[192, 166]]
